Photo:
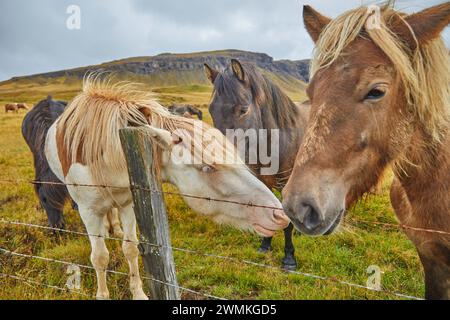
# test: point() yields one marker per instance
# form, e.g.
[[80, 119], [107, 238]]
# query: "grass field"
[[344, 256]]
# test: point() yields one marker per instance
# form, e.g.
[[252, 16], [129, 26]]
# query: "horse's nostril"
[[291, 213], [311, 218]]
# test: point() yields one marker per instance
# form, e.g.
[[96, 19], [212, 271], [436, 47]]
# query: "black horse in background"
[[186, 110], [35, 126]]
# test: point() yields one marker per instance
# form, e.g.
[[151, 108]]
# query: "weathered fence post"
[[151, 216]]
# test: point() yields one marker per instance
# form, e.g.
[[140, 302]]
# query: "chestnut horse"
[[83, 147], [380, 98], [22, 106], [15, 107], [11, 107], [245, 99]]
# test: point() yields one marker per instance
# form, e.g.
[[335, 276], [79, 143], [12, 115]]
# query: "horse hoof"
[[289, 264], [264, 249], [141, 296], [100, 298]]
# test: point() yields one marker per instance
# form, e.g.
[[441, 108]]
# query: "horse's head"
[[235, 103], [376, 83], [193, 167]]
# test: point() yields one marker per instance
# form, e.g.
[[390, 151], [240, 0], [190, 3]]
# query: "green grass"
[[344, 256]]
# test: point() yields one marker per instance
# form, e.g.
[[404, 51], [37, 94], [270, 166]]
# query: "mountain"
[[179, 69], [156, 72]]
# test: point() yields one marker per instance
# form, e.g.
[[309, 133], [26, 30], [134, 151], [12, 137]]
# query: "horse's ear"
[[427, 25], [164, 138], [238, 70], [314, 22], [211, 73]]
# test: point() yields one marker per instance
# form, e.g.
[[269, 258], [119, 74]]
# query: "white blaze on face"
[[235, 191], [225, 183]]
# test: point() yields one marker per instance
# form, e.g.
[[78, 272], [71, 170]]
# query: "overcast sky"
[[34, 37]]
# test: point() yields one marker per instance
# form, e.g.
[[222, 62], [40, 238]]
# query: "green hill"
[[183, 71]]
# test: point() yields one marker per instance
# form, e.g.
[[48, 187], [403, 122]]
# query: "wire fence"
[[332, 279], [249, 204], [67, 263], [34, 282]]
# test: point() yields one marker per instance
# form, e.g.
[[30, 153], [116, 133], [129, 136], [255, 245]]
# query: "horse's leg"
[[437, 274], [131, 251], [114, 223], [434, 254], [266, 245], [289, 262], [99, 253]]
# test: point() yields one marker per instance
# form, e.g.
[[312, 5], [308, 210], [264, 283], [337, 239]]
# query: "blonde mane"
[[92, 121], [425, 72]]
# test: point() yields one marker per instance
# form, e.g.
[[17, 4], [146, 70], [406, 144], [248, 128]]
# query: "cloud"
[[34, 37]]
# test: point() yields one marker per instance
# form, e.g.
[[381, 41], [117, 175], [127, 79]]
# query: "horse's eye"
[[208, 169], [244, 110], [375, 94]]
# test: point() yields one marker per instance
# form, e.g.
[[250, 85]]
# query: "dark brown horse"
[[15, 107], [34, 130], [245, 99], [186, 110], [11, 107], [380, 97]]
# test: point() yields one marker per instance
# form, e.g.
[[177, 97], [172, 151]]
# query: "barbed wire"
[[134, 187], [402, 226], [226, 258], [67, 263], [31, 281]]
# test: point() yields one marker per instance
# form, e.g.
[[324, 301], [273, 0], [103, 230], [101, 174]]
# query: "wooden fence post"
[[151, 215]]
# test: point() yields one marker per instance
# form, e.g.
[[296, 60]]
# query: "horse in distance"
[[186, 110], [15, 107], [22, 106], [11, 107]]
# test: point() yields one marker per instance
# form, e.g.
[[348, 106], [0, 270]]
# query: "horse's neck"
[[290, 137], [425, 178]]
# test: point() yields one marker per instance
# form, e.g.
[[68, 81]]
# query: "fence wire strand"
[[67, 263], [401, 226], [32, 281], [210, 255]]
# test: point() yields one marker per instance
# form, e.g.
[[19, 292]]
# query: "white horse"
[[83, 147]]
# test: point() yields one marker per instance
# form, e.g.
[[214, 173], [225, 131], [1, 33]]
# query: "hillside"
[[164, 70]]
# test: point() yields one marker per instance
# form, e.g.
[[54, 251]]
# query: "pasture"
[[344, 256]]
